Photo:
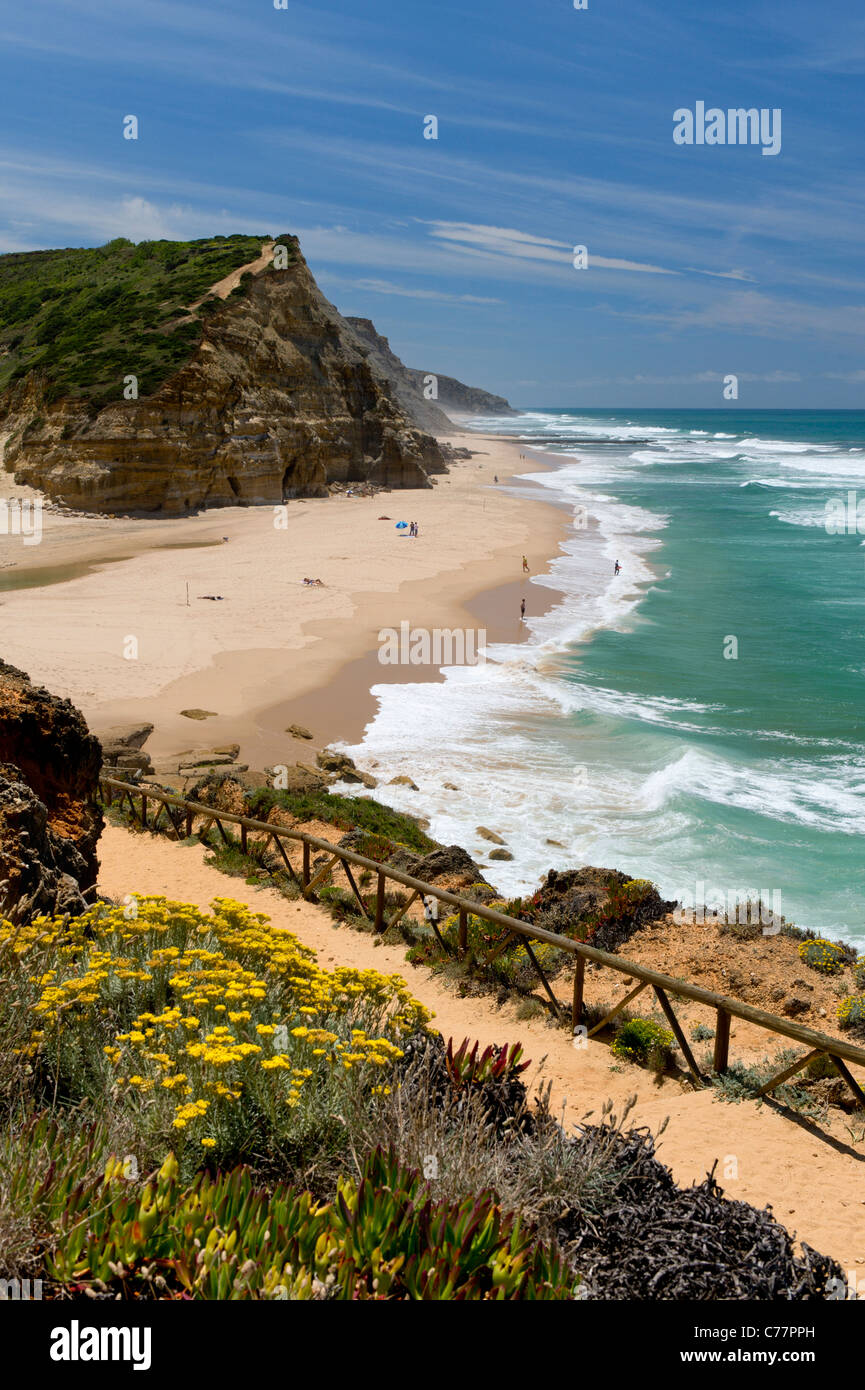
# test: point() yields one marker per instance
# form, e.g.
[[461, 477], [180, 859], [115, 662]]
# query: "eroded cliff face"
[[406, 385], [411, 383], [278, 401], [50, 820]]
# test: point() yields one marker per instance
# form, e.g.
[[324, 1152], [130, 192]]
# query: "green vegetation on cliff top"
[[87, 317]]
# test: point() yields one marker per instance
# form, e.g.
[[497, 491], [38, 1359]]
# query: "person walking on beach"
[[523, 611], [525, 565], [618, 567], [495, 477]]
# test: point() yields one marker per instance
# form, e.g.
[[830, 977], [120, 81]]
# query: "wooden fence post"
[[379, 902], [463, 932], [579, 986], [305, 874], [722, 1042]]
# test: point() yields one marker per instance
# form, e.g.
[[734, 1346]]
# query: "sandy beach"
[[253, 644]]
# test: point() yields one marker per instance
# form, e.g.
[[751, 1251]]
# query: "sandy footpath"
[[811, 1177], [123, 644]]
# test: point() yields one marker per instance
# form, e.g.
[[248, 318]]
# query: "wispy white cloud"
[[723, 274], [508, 241], [412, 292]]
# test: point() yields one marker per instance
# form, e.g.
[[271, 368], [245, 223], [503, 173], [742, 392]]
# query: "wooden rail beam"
[[322, 874], [787, 1073], [680, 1036], [404, 909], [285, 859], [354, 888], [622, 1004], [544, 981], [499, 948], [850, 1079]]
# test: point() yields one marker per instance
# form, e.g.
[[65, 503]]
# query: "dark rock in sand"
[[794, 1006]]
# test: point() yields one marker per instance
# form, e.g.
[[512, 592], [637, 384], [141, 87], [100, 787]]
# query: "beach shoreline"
[[279, 652]]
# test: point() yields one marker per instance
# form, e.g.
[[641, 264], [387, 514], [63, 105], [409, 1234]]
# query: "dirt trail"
[[812, 1176], [230, 282]]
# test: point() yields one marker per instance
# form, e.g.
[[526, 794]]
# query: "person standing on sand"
[[523, 611], [525, 565], [495, 477]]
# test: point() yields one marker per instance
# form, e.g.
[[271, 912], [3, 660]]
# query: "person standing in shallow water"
[[523, 611], [617, 568]]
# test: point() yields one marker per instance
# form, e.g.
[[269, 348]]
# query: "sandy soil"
[[810, 1174], [268, 640]]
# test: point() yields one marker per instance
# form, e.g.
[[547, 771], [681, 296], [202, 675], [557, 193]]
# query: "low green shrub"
[[643, 1040], [851, 1011], [827, 957], [347, 813], [859, 974]]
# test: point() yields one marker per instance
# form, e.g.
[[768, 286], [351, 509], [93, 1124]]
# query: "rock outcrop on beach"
[[123, 749], [50, 819], [411, 386], [276, 400]]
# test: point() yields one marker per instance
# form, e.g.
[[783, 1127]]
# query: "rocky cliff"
[[402, 380], [411, 385], [50, 820], [277, 400]]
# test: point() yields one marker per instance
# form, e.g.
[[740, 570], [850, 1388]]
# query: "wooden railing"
[[726, 1008]]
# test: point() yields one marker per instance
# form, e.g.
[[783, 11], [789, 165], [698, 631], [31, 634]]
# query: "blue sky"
[[555, 129]]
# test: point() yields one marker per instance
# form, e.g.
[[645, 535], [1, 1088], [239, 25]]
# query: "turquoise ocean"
[[630, 728]]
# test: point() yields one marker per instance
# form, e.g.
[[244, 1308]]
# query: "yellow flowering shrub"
[[191, 1016]]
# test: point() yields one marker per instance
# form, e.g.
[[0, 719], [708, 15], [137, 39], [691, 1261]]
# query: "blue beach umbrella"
[[401, 525]]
